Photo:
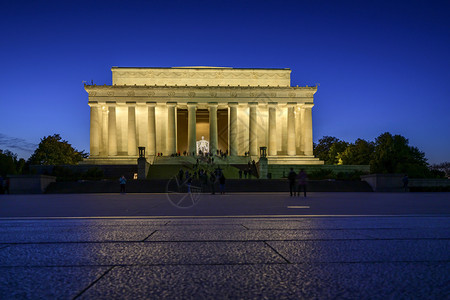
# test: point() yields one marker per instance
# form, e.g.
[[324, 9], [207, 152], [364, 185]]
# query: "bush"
[[67, 174], [322, 174], [353, 176], [93, 174]]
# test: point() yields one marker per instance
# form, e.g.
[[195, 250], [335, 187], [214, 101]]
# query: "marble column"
[[95, 130], [132, 148], [291, 129], [112, 133], [151, 129], [273, 147], [104, 130], [233, 143], [307, 129], [300, 133], [192, 123], [171, 144], [213, 139], [253, 129]]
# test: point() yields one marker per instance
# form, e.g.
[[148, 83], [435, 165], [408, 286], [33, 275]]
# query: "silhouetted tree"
[[392, 154], [53, 150], [442, 167], [329, 148], [358, 153], [8, 163]]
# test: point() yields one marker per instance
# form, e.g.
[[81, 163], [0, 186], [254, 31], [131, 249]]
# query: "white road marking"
[[293, 206]]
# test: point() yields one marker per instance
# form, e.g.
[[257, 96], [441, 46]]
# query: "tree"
[[442, 167], [392, 154], [329, 148], [358, 153], [8, 163], [53, 150]]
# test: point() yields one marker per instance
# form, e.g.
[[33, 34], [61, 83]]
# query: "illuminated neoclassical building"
[[173, 110]]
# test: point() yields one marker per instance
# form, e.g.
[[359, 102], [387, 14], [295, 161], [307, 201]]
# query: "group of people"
[[220, 153], [297, 182], [250, 170], [205, 179]]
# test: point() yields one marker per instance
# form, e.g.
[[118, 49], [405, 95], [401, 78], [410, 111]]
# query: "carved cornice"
[[307, 106], [199, 92]]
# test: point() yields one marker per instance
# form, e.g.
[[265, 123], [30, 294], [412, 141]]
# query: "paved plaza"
[[327, 246]]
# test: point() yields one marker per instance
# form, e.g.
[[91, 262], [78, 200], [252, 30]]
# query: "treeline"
[[386, 154], [52, 150]]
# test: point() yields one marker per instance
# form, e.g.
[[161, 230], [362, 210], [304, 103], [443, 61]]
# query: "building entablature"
[[201, 94]]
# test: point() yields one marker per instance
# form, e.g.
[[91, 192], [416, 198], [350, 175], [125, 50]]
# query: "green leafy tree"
[[358, 153], [8, 162], [329, 148], [392, 154], [335, 152], [53, 150]]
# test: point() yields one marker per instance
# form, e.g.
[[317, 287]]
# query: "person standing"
[[204, 180], [302, 178], [405, 181], [189, 182], [212, 180], [123, 182], [292, 177], [222, 184]]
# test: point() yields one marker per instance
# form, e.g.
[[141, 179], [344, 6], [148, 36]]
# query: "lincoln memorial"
[[193, 110]]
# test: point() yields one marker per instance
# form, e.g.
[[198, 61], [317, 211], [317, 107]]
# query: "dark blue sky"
[[382, 65]]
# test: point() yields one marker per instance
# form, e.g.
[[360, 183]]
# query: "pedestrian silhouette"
[[222, 184], [405, 181], [292, 177], [123, 182], [301, 179]]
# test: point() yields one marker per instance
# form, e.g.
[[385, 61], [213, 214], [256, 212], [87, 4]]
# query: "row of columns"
[[103, 129]]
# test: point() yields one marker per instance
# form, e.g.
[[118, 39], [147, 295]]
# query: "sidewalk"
[[278, 258], [226, 257]]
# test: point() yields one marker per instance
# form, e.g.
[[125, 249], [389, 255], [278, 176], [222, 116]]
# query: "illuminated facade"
[[169, 110]]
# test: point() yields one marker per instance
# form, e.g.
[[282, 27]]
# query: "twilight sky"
[[382, 65]]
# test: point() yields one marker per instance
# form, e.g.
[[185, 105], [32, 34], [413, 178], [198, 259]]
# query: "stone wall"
[[29, 184], [281, 171], [394, 183], [429, 182]]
